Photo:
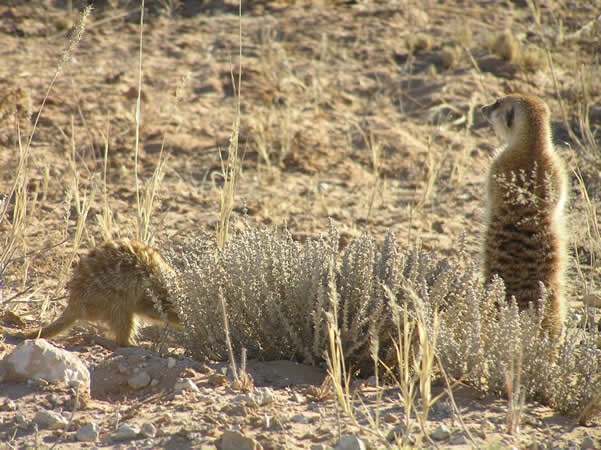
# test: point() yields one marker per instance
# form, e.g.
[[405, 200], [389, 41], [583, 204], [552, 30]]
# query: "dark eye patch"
[[495, 105], [509, 117]]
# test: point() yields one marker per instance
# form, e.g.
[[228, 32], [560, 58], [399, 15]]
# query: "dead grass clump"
[[290, 300], [449, 56], [532, 59], [507, 47], [422, 42]]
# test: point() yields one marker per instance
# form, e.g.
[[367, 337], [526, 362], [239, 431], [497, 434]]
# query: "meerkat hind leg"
[[124, 328]]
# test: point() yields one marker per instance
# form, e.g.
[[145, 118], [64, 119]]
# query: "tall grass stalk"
[[231, 170], [19, 188]]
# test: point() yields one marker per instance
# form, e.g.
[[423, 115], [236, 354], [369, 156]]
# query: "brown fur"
[[114, 283], [524, 240]]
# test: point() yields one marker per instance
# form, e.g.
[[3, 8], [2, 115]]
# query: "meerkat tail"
[[60, 325]]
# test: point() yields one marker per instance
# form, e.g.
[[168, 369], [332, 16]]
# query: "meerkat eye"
[[509, 117]]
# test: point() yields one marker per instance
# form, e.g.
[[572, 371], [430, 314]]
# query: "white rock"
[[261, 397], [38, 359], [139, 381], [171, 363], [441, 433], [50, 420], [350, 442], [126, 432], [148, 430], [186, 385], [234, 440], [88, 433]]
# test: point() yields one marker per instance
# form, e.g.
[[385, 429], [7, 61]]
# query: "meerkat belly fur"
[[115, 283], [524, 242]]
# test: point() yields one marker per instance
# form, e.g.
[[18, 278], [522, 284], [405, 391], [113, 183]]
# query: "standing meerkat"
[[527, 188], [114, 283]]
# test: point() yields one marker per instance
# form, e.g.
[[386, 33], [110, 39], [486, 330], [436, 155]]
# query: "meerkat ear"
[[509, 117]]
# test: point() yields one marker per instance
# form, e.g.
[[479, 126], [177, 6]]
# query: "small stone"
[[299, 418], [587, 443], [261, 397], [126, 432], [88, 433], [593, 299], [234, 440], [9, 405], [148, 430], [441, 433], [458, 439], [171, 363], [218, 379], [186, 385], [204, 369], [50, 420], [350, 442], [390, 418], [139, 381]]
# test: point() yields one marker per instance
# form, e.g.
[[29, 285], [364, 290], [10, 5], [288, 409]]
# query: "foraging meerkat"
[[114, 283], [524, 241]]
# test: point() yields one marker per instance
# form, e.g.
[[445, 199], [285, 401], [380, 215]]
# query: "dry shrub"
[[279, 294]]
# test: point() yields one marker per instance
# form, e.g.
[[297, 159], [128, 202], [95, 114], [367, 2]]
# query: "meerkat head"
[[518, 118]]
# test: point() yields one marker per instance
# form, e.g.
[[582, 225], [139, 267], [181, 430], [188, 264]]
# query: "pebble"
[[261, 397], [9, 405], [88, 433], [234, 440], [587, 443], [441, 433], [390, 418], [299, 418], [350, 442], [148, 430], [126, 432], [458, 439], [50, 420], [593, 299], [139, 381], [218, 379], [186, 385], [171, 363]]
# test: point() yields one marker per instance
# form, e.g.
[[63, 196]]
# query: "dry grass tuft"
[[422, 42], [507, 46]]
